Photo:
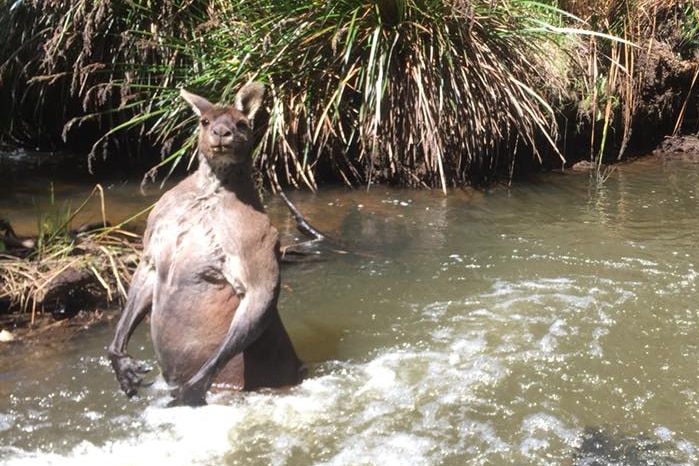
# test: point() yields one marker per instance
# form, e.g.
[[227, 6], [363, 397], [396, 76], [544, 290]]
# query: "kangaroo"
[[209, 275]]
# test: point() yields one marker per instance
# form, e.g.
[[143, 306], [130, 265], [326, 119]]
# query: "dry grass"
[[429, 93], [108, 257], [103, 259], [615, 71]]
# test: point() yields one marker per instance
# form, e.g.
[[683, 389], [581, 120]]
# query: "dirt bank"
[[679, 147]]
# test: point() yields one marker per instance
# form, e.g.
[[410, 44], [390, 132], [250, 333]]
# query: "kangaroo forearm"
[[123, 333], [138, 305]]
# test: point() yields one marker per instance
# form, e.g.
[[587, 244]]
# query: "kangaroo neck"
[[235, 179]]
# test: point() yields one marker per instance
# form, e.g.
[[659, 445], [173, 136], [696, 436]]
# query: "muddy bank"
[[637, 97], [679, 147], [62, 281], [69, 312]]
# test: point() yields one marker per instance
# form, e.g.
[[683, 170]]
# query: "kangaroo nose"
[[221, 131]]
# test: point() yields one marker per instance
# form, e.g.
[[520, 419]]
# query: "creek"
[[552, 323]]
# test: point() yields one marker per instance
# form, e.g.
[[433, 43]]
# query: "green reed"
[[419, 93]]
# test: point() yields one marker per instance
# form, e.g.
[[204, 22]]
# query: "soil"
[[664, 81], [665, 102], [679, 147]]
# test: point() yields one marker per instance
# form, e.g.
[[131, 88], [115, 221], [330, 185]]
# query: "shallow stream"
[[552, 323]]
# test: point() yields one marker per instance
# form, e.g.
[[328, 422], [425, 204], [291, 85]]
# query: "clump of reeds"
[[617, 73], [101, 258], [422, 93], [435, 93]]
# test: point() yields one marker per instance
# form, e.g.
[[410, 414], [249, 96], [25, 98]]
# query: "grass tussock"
[[422, 94], [64, 269], [418, 93], [629, 82], [430, 93]]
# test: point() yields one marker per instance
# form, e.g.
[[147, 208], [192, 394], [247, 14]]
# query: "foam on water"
[[443, 401], [392, 408]]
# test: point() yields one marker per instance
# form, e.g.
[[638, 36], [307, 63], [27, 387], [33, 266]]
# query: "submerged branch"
[[316, 237], [301, 223]]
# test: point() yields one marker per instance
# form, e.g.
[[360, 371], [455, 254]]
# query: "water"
[[554, 323]]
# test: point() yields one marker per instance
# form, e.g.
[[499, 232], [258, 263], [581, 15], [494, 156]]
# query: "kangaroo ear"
[[249, 99], [198, 103]]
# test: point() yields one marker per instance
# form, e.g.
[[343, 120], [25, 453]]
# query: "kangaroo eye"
[[242, 125], [204, 122]]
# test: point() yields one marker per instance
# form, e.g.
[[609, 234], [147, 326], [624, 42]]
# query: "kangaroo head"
[[225, 132]]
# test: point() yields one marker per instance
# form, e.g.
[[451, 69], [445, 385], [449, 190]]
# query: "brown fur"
[[210, 271]]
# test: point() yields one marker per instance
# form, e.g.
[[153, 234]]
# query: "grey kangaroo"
[[210, 271]]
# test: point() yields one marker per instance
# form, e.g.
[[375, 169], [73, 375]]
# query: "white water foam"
[[392, 409], [461, 395]]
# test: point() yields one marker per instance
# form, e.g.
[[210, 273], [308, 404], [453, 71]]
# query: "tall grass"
[[619, 72], [71, 63], [423, 93], [420, 93]]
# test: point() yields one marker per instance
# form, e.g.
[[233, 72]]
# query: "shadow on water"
[[608, 446], [554, 323]]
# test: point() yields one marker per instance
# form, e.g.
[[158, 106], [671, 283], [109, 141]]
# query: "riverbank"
[[63, 279], [48, 329]]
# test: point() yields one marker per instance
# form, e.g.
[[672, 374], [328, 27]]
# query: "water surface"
[[507, 327]]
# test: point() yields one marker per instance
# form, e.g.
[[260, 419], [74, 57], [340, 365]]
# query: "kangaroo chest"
[[212, 237]]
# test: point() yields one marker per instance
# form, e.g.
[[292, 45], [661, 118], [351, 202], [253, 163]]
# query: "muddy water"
[[555, 323]]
